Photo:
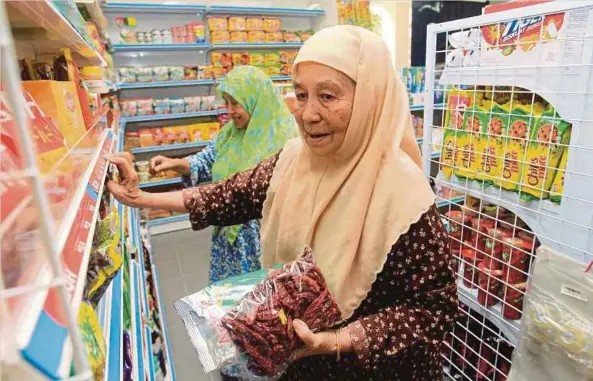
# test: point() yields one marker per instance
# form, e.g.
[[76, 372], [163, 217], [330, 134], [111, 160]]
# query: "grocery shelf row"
[[202, 9], [197, 82], [204, 46], [185, 115]]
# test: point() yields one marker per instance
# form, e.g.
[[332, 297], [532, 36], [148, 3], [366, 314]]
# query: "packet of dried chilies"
[[261, 323]]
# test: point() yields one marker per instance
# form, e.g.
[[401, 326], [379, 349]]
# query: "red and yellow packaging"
[[457, 102], [59, 101], [241, 58], [558, 184], [256, 36], [493, 146], [255, 24], [470, 141]]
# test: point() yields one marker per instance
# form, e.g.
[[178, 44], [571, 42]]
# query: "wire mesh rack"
[[515, 140]]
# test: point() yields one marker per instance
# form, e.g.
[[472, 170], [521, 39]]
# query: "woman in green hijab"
[[260, 125]]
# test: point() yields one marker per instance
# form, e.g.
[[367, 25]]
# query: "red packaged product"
[[470, 268], [516, 255], [512, 308], [261, 323], [481, 225], [459, 228], [489, 285], [486, 360], [493, 247]]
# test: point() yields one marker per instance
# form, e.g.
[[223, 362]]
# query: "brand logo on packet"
[[521, 28]]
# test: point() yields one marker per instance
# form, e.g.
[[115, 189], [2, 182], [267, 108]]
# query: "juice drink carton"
[[59, 101], [549, 139]]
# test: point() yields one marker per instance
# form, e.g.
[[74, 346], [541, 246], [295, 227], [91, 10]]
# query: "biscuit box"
[[457, 102]]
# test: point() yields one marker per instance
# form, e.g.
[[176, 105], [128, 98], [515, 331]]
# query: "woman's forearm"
[[182, 166], [168, 200]]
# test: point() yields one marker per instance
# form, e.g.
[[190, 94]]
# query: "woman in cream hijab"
[[352, 189]]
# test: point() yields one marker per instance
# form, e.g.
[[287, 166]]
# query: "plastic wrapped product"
[[192, 104], [160, 73], [177, 105], [274, 37], [261, 323], [208, 103], [459, 228], [144, 74], [92, 338], [176, 73], [218, 23], [190, 72], [127, 74], [271, 24], [144, 107], [255, 24], [161, 106], [219, 37], [256, 36], [238, 37], [129, 107], [237, 24]]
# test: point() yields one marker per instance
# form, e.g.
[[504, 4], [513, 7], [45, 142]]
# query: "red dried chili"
[[261, 324]]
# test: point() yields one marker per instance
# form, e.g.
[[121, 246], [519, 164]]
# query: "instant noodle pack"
[[179, 105], [513, 140], [252, 29]]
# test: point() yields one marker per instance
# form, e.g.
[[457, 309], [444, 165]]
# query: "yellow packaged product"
[[492, 148], [219, 72], [274, 37], [239, 37], [220, 37], [548, 141], [256, 36], [218, 23], [257, 59], [272, 24], [272, 71], [557, 187], [457, 102], [221, 59], [272, 59], [287, 57], [59, 101], [241, 58], [255, 24], [92, 338], [472, 142], [237, 23], [207, 73], [515, 143]]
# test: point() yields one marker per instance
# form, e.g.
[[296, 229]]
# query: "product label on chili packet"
[[457, 102]]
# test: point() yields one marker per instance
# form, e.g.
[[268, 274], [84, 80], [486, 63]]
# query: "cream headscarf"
[[353, 206]]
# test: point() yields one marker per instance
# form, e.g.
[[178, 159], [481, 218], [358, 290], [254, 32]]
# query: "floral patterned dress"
[[398, 329], [227, 259]]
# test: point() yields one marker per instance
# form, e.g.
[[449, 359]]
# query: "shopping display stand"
[[544, 50]]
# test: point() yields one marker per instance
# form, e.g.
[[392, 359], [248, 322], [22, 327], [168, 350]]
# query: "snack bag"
[[219, 72], [176, 73], [160, 73], [192, 104], [257, 59], [129, 107], [207, 72], [272, 71], [287, 57], [92, 338], [272, 59], [218, 23], [237, 24], [256, 36], [558, 184], [221, 60], [492, 149], [274, 37], [547, 144], [271, 24], [457, 102], [127, 74], [177, 105], [144, 107], [161, 106], [242, 58], [219, 37], [255, 24], [291, 37], [239, 37], [190, 72], [516, 137], [470, 142]]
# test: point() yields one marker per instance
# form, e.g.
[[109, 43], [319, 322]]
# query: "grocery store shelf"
[[288, 12], [510, 328], [114, 339], [452, 201], [159, 183], [281, 78], [167, 346], [150, 118], [117, 48], [152, 8], [263, 45], [97, 16], [40, 25], [168, 224], [169, 147], [148, 85]]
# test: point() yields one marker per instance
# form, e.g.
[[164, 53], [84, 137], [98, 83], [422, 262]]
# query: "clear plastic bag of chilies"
[[261, 323], [557, 325]]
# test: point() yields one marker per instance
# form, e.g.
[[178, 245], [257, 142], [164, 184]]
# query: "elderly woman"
[[352, 188], [260, 125]]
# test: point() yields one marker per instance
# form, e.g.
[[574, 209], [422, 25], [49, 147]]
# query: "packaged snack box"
[[218, 23], [470, 142], [457, 102], [160, 73], [545, 149], [291, 37], [558, 184], [59, 101], [255, 24], [223, 60], [190, 72], [493, 144], [176, 73], [239, 37], [272, 59], [274, 37], [256, 36], [257, 59], [241, 58], [516, 137], [219, 37], [237, 24], [271, 24], [207, 72]]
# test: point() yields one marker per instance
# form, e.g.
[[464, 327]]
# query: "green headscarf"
[[271, 125]]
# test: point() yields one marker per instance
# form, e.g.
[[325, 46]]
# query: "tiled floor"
[[182, 259]]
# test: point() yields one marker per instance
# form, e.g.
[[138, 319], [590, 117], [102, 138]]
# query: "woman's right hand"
[[161, 163]]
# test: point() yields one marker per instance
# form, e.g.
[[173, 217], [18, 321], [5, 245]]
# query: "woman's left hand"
[[321, 343]]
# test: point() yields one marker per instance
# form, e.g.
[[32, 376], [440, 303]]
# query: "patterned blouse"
[[227, 259], [398, 329]]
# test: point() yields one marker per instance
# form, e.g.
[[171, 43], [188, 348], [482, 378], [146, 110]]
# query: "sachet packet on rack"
[[256, 336]]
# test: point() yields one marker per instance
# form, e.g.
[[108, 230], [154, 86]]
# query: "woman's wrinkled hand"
[[321, 343], [162, 163], [127, 190]]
